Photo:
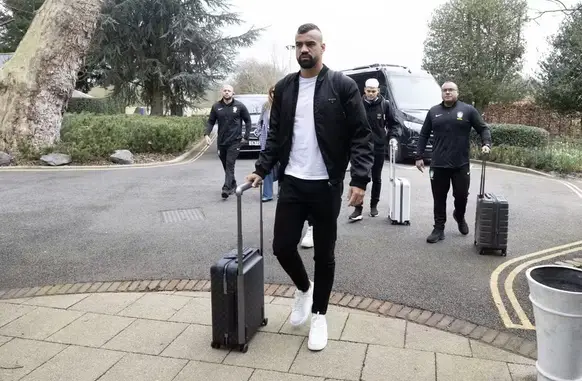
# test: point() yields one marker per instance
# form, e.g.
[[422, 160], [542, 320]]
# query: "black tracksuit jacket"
[[383, 122], [230, 117], [451, 127], [341, 126]]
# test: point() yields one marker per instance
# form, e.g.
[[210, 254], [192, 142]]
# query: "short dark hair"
[[307, 28]]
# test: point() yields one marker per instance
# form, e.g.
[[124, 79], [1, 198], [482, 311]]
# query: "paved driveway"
[[104, 225]]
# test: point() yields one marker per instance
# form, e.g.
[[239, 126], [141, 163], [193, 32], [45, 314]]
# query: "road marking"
[[494, 280], [573, 188], [526, 324], [111, 167]]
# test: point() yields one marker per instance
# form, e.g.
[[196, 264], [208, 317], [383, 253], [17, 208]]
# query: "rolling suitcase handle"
[[240, 279], [482, 186], [239, 191], [392, 171]]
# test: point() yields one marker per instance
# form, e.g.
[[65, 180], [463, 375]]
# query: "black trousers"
[[228, 155], [299, 199], [379, 158], [441, 180]]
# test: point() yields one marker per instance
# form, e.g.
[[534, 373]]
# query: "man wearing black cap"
[[385, 126]]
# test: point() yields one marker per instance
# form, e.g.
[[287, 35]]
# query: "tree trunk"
[[37, 82]]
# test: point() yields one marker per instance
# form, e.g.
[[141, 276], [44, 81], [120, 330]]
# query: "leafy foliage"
[[478, 44], [166, 53], [95, 105], [561, 71], [515, 135], [558, 156], [88, 136]]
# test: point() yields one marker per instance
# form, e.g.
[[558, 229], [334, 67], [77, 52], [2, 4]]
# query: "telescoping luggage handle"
[[482, 186], [392, 170], [239, 191]]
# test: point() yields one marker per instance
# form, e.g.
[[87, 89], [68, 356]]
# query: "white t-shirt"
[[305, 160]]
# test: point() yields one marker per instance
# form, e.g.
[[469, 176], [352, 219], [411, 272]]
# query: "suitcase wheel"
[[504, 252], [244, 348], [215, 345], [482, 251], [265, 322]]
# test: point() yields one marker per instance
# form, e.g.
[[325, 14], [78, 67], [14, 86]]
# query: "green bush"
[[558, 156], [515, 135], [89, 136], [107, 105]]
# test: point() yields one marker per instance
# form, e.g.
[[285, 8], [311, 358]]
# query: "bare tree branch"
[[562, 9]]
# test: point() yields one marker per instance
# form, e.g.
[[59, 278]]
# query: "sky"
[[366, 32]]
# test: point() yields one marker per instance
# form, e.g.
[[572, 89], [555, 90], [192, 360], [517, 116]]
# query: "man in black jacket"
[[318, 124], [450, 122], [229, 113], [385, 126]]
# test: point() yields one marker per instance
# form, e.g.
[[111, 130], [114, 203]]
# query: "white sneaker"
[[307, 241], [318, 333], [302, 306]]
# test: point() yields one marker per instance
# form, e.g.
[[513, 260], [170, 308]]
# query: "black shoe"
[[373, 211], [435, 236], [225, 194], [462, 224], [357, 214]]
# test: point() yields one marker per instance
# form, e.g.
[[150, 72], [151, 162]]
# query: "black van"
[[413, 92]]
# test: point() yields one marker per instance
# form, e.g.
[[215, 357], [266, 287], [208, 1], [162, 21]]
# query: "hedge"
[[557, 156], [88, 136], [515, 135], [107, 105]]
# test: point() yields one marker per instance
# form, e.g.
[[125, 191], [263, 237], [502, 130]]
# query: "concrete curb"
[[183, 158], [502, 340], [513, 168]]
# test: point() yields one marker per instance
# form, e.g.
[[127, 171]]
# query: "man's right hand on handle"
[[420, 165], [255, 179], [208, 140]]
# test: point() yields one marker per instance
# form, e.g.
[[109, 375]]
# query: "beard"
[[306, 61]]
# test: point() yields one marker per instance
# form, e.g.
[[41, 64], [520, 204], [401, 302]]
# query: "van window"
[[414, 92]]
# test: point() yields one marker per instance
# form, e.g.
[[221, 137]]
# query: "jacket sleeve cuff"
[[358, 183], [260, 171]]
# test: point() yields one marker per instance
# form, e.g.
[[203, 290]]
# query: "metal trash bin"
[[556, 296]]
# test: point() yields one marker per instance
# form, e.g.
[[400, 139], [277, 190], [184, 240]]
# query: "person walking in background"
[[318, 124], [229, 114], [385, 126], [450, 122], [263, 124]]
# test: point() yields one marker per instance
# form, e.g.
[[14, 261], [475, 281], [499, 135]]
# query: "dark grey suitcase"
[[491, 220], [237, 289]]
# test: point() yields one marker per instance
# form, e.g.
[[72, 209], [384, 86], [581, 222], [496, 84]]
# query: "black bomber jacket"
[[341, 126]]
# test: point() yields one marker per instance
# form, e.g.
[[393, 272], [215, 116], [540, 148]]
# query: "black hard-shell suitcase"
[[237, 289], [491, 220]]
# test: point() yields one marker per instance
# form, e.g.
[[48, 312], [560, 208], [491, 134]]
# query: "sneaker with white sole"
[[301, 306], [307, 240], [317, 333]]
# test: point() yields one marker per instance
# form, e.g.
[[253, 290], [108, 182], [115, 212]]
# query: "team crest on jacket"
[[379, 116], [460, 115], [234, 110]]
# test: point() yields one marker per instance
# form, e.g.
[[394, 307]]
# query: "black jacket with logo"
[[229, 117], [383, 121], [451, 127], [342, 130]]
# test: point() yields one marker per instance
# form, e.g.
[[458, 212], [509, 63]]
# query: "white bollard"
[[556, 295]]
